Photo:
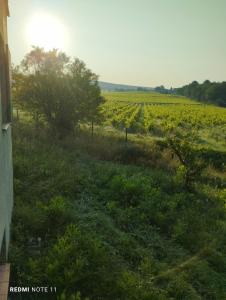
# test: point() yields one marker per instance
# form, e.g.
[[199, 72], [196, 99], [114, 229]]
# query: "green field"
[[147, 97], [152, 113]]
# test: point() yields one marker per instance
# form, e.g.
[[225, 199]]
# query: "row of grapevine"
[[147, 118], [126, 117], [200, 116]]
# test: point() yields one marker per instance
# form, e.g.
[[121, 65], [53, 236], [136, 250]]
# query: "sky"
[[137, 42]]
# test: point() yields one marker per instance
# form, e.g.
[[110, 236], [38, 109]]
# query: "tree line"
[[162, 90], [206, 92]]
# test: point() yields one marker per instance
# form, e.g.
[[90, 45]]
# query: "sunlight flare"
[[47, 31]]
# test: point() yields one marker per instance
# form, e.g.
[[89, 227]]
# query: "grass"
[[114, 220], [147, 97]]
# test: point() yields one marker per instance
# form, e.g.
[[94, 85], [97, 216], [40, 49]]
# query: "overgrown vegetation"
[[100, 218], [110, 228]]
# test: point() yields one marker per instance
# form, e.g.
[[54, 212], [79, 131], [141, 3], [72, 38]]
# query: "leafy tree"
[[84, 85], [161, 89], [61, 91], [183, 145], [17, 82], [210, 92], [40, 61]]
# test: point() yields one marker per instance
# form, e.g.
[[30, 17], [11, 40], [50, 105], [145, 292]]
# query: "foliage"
[[150, 113], [207, 92], [161, 89], [113, 231], [183, 145], [56, 89]]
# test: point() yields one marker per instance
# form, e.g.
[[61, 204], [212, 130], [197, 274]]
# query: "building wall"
[[6, 171]]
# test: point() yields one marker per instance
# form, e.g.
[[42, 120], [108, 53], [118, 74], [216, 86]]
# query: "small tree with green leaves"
[[183, 144]]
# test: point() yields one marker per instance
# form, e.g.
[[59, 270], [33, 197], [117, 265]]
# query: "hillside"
[[106, 86]]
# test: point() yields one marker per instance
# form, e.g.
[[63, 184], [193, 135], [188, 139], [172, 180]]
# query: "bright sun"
[[47, 32]]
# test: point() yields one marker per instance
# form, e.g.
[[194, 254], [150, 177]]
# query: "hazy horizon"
[[141, 43]]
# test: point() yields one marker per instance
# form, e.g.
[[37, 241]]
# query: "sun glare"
[[47, 32]]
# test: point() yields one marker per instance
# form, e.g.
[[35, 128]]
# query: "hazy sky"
[[140, 42]]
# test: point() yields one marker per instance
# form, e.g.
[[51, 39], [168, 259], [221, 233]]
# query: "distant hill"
[[107, 86]]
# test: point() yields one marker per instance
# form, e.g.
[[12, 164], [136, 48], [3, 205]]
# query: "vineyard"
[[147, 97], [146, 112]]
